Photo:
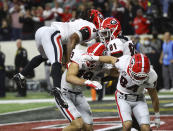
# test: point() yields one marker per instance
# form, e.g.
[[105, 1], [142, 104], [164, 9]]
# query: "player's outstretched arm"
[[104, 59], [108, 59]]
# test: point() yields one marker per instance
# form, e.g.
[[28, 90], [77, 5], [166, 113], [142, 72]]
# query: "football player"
[[111, 34], [77, 75], [49, 42], [135, 76]]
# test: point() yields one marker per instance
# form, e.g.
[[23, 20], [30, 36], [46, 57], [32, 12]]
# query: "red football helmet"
[[96, 17], [139, 68], [110, 29], [97, 49]]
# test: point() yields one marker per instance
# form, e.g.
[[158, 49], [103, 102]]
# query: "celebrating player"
[[77, 75], [49, 42], [111, 34], [135, 76]]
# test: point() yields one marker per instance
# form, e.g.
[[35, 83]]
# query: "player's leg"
[[35, 62], [75, 125], [51, 44], [127, 125], [72, 114], [53, 50], [145, 127], [141, 114], [124, 110], [84, 108]]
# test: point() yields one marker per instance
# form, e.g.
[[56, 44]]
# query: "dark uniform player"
[[2, 74], [20, 62]]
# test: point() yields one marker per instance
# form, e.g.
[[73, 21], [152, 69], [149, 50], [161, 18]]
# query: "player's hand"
[[93, 84], [157, 119], [90, 57]]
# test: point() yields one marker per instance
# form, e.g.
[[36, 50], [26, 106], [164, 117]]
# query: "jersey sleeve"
[[87, 32], [76, 56], [115, 48]]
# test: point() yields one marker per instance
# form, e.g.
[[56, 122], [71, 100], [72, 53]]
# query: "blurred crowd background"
[[21, 18]]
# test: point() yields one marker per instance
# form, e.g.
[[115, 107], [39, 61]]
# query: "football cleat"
[[21, 83], [59, 98]]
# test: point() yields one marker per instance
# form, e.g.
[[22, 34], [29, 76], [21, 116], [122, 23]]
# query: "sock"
[[56, 74], [36, 61]]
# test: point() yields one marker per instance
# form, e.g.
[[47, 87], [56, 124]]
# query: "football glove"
[[93, 84]]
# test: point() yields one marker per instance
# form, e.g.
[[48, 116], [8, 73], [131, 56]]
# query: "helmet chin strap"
[[113, 32]]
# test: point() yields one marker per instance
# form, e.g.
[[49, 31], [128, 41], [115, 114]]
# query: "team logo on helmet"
[[100, 15], [113, 22]]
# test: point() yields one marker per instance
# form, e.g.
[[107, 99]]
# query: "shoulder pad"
[[76, 55]]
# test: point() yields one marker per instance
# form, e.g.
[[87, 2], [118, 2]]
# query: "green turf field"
[[5, 108]]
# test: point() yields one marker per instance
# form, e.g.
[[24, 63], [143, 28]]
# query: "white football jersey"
[[68, 28], [86, 70], [125, 83], [121, 46]]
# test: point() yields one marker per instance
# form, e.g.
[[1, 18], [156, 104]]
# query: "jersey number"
[[123, 82], [112, 46]]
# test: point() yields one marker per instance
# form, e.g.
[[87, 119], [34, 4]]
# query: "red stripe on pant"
[[118, 106], [60, 48], [71, 116]]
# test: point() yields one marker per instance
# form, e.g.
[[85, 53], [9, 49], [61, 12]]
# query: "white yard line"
[[14, 112], [53, 101]]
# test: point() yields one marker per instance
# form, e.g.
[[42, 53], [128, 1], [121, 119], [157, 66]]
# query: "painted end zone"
[[100, 124]]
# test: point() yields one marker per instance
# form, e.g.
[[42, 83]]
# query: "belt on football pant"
[[76, 93], [132, 97]]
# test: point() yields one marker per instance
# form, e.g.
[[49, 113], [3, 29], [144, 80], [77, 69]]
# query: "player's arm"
[[74, 39], [74, 79], [79, 36], [155, 102], [72, 75], [108, 59], [104, 59], [154, 98]]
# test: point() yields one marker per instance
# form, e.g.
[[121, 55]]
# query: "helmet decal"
[[139, 68], [113, 22]]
